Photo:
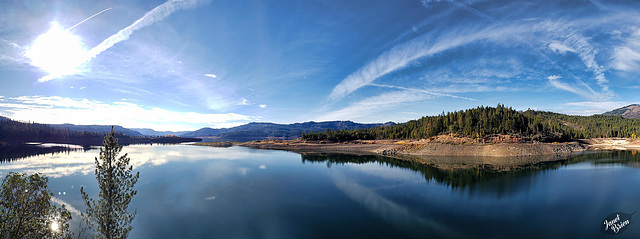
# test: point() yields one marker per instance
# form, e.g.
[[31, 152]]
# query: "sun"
[[58, 52]]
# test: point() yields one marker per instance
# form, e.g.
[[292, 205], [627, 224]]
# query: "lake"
[[187, 191]]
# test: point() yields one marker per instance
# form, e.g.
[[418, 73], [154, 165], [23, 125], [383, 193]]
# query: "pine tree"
[[108, 216]]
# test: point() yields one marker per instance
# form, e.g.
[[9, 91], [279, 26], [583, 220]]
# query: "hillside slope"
[[629, 112]]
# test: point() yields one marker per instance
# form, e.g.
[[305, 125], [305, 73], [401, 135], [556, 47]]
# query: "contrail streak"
[[160, 12], [88, 18], [422, 91]]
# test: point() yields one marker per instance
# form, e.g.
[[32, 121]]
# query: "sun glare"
[[58, 52], [54, 226]]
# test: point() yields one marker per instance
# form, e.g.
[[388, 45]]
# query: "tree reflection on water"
[[22, 151], [461, 178]]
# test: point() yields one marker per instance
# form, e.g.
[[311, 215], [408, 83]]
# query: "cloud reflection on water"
[[391, 212], [67, 163]]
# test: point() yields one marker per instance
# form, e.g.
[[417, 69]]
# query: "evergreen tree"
[[108, 216]]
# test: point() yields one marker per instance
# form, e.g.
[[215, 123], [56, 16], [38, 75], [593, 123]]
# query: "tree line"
[[486, 121], [15, 133]]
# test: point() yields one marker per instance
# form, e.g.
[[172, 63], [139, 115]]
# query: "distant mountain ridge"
[[246, 132], [98, 129], [252, 131], [151, 132], [629, 111]]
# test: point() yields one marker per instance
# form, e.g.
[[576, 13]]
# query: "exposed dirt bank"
[[611, 144], [423, 148], [493, 156], [454, 153]]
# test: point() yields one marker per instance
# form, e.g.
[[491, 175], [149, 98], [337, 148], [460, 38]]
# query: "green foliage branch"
[[26, 210]]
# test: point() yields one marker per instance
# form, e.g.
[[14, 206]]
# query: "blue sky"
[[183, 65]]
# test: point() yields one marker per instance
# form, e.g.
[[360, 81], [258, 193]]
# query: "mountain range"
[[255, 131], [247, 132]]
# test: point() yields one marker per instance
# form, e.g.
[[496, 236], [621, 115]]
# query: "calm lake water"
[[203, 192]]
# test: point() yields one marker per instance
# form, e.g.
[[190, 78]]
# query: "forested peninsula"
[[480, 132], [486, 122]]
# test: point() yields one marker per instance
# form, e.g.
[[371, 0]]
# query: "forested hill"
[[15, 133], [483, 121], [103, 129]]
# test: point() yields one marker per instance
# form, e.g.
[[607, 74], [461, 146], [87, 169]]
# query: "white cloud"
[[58, 110], [560, 48], [627, 56], [211, 75], [68, 206], [567, 38], [210, 198], [263, 106], [553, 77], [244, 102]]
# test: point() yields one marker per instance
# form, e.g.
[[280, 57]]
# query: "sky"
[[186, 64]]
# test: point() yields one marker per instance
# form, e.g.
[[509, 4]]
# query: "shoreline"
[[499, 156]]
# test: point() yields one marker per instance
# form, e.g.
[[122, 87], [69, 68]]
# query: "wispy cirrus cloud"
[[423, 91], [58, 110], [372, 105], [627, 56], [572, 39], [581, 90], [156, 14], [540, 37], [423, 46]]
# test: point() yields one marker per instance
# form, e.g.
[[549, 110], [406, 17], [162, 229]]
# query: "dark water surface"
[[203, 192]]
